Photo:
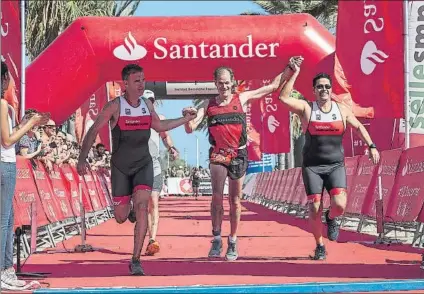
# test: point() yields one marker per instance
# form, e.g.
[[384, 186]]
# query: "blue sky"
[[172, 109]]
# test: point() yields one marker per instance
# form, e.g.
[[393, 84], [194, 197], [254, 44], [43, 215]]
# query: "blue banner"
[[265, 165]]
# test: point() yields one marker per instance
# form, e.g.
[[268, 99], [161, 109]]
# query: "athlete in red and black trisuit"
[[228, 153], [324, 122], [131, 119]]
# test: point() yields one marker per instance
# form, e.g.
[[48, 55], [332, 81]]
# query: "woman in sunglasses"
[[324, 122]]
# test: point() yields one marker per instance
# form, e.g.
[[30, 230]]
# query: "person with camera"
[[11, 133]]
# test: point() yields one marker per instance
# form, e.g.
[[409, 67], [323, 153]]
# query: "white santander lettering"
[[213, 51]]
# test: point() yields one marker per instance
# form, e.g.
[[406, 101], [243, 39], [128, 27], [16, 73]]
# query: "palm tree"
[[47, 19], [325, 11]]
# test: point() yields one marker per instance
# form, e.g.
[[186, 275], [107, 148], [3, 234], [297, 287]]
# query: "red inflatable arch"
[[93, 50]]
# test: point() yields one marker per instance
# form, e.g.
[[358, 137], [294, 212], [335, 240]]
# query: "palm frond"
[[48, 19]]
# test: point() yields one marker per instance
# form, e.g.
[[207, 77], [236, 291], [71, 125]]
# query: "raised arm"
[[102, 119], [201, 112], [8, 138], [294, 105], [265, 90], [168, 124]]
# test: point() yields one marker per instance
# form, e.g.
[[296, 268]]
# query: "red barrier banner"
[[61, 192], [370, 48], [387, 169], [253, 120], [73, 189], [104, 187], [45, 190], [361, 182], [275, 133], [85, 194], [297, 176], [351, 164], [92, 191], [259, 185], [406, 199], [11, 51], [17, 217], [25, 193], [103, 197], [300, 196]]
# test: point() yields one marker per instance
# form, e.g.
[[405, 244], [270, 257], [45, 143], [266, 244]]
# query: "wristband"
[[372, 145]]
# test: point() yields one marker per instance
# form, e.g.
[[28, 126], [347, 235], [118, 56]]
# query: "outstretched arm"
[[168, 124], [294, 105], [201, 112], [167, 141], [265, 90]]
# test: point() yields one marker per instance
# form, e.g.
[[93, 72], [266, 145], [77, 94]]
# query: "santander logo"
[[131, 50], [164, 49], [370, 57], [272, 123]]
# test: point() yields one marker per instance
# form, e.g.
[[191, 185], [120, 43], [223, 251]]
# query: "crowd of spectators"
[[186, 172], [50, 145]]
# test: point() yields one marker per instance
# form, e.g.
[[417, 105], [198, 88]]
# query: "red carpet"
[[273, 248]]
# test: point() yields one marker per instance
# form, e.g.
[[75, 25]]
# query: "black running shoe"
[[333, 227], [131, 217], [135, 268], [320, 253]]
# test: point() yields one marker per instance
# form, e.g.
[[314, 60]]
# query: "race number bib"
[[222, 156]]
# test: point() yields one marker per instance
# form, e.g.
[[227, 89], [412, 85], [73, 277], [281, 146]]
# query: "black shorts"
[[125, 185], [316, 178], [195, 184], [238, 165]]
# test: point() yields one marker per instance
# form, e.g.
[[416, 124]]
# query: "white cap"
[[148, 94]]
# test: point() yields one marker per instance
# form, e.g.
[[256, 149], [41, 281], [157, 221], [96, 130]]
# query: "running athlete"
[[228, 155], [195, 181], [153, 217], [324, 123], [131, 118]]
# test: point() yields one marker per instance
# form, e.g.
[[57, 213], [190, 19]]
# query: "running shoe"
[[135, 268], [232, 253], [152, 248], [333, 227], [320, 253], [216, 248]]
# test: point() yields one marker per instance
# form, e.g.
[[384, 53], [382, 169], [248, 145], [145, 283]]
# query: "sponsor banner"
[[406, 199], [61, 191], [253, 120], [11, 51], [92, 192], [72, 185], [199, 88], [360, 185], [275, 133], [387, 169], [26, 193], [86, 201], [182, 186], [370, 49], [50, 204], [265, 165]]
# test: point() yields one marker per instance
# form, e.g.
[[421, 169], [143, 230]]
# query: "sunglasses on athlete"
[[322, 87]]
